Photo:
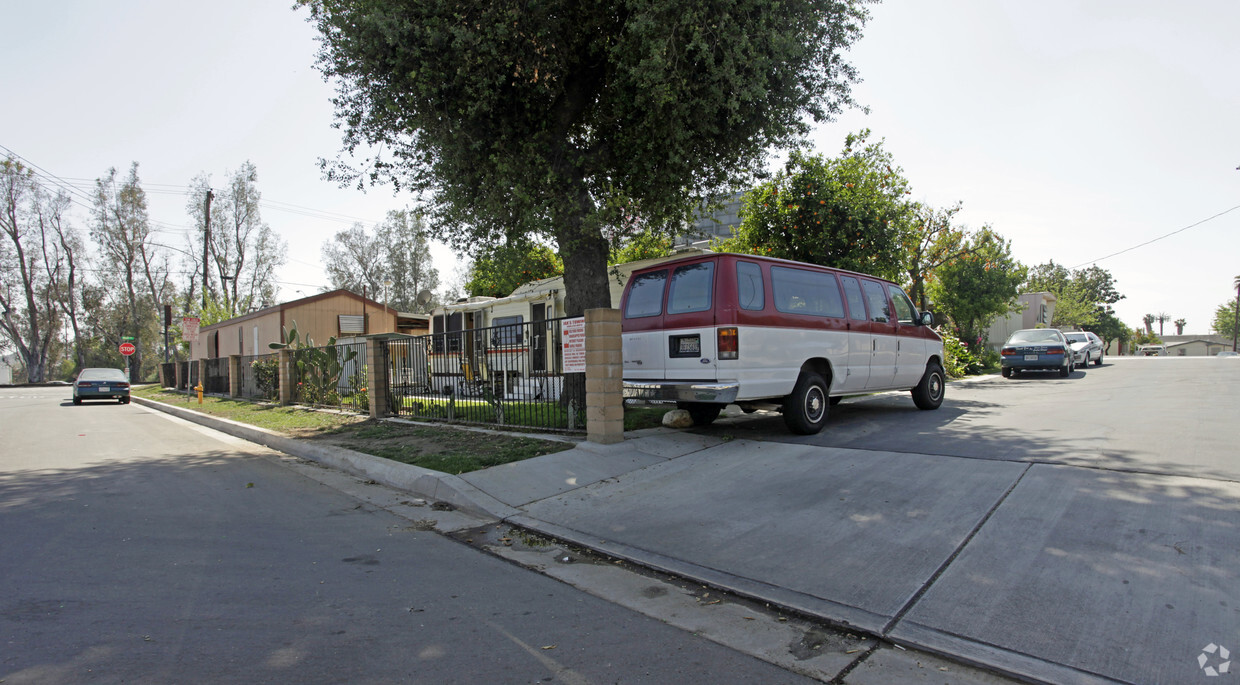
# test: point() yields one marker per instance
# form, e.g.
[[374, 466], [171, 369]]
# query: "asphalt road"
[[137, 548], [1164, 415]]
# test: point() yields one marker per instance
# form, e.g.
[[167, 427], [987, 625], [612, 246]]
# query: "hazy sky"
[[1075, 129]]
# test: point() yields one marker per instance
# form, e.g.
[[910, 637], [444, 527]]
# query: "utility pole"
[[1235, 326], [206, 246]]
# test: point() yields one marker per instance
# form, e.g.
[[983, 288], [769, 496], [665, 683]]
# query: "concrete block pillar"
[[604, 376], [286, 376], [377, 378], [234, 375]]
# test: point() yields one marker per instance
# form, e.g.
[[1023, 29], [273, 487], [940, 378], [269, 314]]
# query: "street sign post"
[[128, 349]]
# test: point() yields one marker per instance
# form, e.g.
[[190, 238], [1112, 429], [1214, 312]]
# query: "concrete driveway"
[[1065, 530]]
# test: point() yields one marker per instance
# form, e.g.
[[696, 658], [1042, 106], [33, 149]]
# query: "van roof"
[[759, 258]]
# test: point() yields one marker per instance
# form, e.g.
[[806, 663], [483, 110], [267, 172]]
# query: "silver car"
[[1086, 347]]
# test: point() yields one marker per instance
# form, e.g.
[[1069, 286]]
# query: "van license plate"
[[690, 346]]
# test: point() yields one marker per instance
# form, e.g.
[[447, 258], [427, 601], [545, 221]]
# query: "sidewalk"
[[1043, 572]]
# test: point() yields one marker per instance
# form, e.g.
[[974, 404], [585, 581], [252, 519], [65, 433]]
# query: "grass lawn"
[[441, 448]]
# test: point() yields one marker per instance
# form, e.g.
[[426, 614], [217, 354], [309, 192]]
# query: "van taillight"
[[727, 344]]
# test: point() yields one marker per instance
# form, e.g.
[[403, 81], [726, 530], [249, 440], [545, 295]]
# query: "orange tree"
[[847, 212], [498, 270]]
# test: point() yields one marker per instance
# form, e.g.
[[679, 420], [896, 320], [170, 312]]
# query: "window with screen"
[[506, 330]]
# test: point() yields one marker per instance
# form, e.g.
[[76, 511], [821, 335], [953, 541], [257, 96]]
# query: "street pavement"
[[1080, 530]]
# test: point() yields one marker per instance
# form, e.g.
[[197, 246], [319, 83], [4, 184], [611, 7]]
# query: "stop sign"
[[128, 349]]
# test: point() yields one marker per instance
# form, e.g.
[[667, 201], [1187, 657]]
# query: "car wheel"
[[124, 400], [805, 410], [929, 392], [702, 413], [1098, 361], [1066, 370], [1006, 372], [77, 400]]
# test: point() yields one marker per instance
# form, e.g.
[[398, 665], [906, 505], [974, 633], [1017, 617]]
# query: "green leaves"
[[847, 212]]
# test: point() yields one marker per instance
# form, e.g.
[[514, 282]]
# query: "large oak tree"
[[562, 118]]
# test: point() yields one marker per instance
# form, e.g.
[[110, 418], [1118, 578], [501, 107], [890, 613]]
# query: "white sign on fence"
[[189, 329], [573, 340]]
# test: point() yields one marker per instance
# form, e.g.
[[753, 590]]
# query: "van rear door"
[[643, 339], [689, 323]]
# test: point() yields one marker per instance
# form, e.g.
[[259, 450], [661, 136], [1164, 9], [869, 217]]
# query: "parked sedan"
[[101, 384], [1086, 347], [1036, 349]]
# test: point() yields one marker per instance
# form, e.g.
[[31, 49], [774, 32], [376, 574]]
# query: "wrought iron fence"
[[508, 375], [260, 376], [331, 376], [216, 381], [191, 375]]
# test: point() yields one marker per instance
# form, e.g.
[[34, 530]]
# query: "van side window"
[[852, 293], [749, 291], [691, 288], [906, 313], [798, 291], [877, 300], [645, 295]]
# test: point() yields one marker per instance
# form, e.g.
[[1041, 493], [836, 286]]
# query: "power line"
[[1154, 240]]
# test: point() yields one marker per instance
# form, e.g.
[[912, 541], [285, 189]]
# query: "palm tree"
[[1148, 319], [1235, 329], [1179, 326], [1162, 318]]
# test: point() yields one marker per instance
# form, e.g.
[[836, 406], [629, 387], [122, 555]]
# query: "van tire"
[[929, 392], [702, 413], [805, 410]]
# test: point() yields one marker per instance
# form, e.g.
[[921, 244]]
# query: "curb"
[[431, 485]]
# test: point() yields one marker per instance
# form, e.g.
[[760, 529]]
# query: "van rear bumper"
[[681, 391]]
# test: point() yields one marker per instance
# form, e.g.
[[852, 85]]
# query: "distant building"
[[1036, 309], [7, 364], [1196, 345], [339, 314]]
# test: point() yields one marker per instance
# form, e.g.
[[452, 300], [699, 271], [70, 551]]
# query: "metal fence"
[[260, 377], [508, 375], [331, 376], [189, 377], [216, 381]]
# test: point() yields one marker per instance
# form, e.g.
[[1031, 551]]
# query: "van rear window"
[[813, 293], [645, 295], [691, 288]]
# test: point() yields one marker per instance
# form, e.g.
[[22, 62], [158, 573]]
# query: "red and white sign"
[[127, 348], [573, 340], [189, 329]]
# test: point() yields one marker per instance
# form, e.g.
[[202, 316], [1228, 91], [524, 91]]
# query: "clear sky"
[[1077, 129]]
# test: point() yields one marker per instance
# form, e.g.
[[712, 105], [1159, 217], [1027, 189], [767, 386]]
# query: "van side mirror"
[[926, 319]]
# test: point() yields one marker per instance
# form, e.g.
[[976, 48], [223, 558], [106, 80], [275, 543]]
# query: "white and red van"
[[718, 329]]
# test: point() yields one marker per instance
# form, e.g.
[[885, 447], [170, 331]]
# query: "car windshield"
[[101, 375], [1076, 337], [1034, 336]]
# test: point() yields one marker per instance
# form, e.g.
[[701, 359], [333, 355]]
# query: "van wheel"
[[702, 413], [929, 392], [805, 410]]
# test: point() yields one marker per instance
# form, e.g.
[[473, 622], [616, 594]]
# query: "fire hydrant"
[[199, 389]]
